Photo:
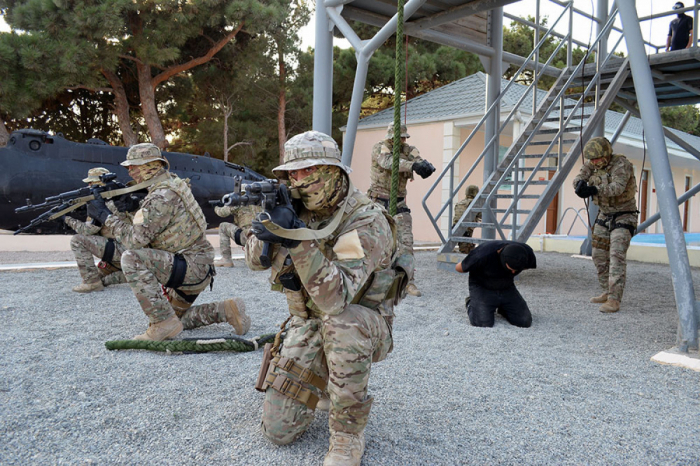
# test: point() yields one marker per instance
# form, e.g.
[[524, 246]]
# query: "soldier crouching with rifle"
[[167, 244], [341, 284], [95, 239]]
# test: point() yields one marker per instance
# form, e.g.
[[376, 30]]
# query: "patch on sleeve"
[[138, 217], [348, 246]]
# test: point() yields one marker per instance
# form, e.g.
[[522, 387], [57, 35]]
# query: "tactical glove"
[[424, 168], [98, 211], [580, 189], [282, 215], [584, 191]]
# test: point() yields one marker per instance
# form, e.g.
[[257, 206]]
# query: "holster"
[[260, 384]]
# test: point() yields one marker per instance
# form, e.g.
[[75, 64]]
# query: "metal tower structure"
[[562, 119]]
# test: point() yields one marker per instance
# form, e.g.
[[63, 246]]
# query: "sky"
[[656, 29]]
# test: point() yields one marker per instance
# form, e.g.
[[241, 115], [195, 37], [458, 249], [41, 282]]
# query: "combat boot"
[[224, 262], [345, 449], [234, 309], [89, 287], [163, 330], [611, 305], [413, 290], [599, 299]]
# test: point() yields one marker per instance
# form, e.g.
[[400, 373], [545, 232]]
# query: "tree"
[[684, 118], [160, 40]]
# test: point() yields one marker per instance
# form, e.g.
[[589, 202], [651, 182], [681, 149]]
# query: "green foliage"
[[683, 118]]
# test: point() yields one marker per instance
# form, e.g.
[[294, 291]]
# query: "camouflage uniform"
[[91, 241], [168, 223], [380, 182], [460, 207], [333, 336], [617, 218], [243, 216]]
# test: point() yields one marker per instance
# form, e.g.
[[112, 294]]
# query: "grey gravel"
[[576, 388]]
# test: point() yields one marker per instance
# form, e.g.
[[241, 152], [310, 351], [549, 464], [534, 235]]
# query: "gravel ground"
[[576, 388]]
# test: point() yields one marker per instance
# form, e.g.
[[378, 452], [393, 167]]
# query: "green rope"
[[398, 79], [203, 345]]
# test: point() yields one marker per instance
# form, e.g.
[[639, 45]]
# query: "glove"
[[591, 191], [282, 215], [424, 168], [97, 209], [580, 188]]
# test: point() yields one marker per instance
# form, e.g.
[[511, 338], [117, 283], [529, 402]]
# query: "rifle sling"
[[80, 201], [305, 234]]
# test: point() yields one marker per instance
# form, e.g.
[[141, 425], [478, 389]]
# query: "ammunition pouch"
[[381, 286], [292, 387], [290, 281], [399, 210], [600, 242]]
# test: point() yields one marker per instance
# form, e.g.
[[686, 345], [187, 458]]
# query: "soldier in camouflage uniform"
[[94, 239], [243, 216], [469, 195], [609, 178], [167, 244], [341, 290], [380, 184]]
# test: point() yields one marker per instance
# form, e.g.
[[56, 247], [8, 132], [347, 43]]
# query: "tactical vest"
[[187, 225], [625, 200], [380, 178], [378, 286]]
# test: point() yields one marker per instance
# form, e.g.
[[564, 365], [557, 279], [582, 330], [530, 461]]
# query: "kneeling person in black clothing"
[[492, 267]]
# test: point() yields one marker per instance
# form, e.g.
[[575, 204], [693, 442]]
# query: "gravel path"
[[576, 388]]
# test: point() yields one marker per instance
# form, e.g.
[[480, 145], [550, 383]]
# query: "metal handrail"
[[578, 216], [496, 104]]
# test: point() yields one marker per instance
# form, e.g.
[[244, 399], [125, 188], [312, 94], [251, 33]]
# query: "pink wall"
[[429, 139]]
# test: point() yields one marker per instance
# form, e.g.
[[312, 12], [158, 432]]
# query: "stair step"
[[555, 119], [493, 183], [570, 129], [474, 224], [529, 169], [522, 196], [467, 239], [538, 156], [520, 211], [545, 143]]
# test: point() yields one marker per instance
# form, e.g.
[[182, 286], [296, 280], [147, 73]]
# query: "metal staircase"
[[515, 197]]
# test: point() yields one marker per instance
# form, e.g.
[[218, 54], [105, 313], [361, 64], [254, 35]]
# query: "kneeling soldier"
[[167, 244], [95, 240], [341, 290]]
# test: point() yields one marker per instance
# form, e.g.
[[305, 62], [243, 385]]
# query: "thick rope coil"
[[193, 345]]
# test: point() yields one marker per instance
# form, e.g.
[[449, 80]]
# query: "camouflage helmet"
[[308, 149], [94, 175], [390, 131], [141, 154], [471, 191], [596, 148]]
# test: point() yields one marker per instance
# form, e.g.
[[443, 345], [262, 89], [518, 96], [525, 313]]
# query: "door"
[[552, 217]]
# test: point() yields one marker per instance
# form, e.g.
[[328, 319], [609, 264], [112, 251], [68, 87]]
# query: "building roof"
[[465, 98]]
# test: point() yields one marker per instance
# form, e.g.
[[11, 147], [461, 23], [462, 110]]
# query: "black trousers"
[[483, 304]]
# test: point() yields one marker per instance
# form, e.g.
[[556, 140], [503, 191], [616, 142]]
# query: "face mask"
[[601, 163], [322, 189], [145, 172]]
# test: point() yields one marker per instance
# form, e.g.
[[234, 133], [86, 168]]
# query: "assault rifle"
[[69, 200], [263, 193]]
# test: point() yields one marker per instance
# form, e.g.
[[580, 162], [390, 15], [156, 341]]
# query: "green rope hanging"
[[239, 345], [398, 79]]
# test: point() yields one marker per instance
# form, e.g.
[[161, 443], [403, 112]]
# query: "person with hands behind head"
[[492, 268], [609, 178], [332, 255]]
